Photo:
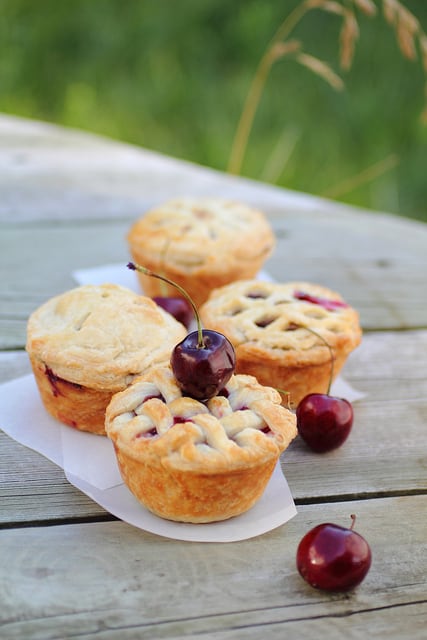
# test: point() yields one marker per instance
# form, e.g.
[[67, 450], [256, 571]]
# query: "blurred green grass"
[[173, 76]]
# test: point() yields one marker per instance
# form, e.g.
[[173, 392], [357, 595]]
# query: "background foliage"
[[173, 76]]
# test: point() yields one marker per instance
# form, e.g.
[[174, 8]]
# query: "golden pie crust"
[[201, 244], [92, 341], [281, 332], [197, 462]]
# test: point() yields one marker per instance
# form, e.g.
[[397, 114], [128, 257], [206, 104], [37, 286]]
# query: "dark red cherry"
[[205, 360], [333, 558], [323, 421], [179, 308], [202, 371]]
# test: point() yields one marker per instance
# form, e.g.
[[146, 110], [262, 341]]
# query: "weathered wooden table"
[[70, 569]]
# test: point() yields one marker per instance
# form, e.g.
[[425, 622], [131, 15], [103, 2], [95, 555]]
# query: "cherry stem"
[[147, 272], [331, 375], [353, 520], [284, 393]]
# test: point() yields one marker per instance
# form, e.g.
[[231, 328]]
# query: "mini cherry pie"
[[284, 334], [192, 461], [200, 243], [88, 343]]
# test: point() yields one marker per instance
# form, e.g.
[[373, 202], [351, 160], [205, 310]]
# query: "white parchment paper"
[[89, 463]]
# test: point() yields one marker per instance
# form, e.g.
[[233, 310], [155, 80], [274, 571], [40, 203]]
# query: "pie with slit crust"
[[92, 341]]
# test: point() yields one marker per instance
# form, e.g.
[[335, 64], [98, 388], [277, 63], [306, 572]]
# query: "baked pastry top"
[[197, 233], [291, 323], [101, 336], [243, 426]]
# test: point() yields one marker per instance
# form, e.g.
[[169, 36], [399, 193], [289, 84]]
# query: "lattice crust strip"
[[277, 315], [246, 421]]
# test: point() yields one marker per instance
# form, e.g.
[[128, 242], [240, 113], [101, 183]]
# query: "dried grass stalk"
[[390, 11], [408, 34], [366, 6], [423, 49], [281, 49], [331, 7], [321, 69], [348, 37], [405, 24]]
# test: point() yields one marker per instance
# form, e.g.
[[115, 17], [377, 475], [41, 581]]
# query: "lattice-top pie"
[[281, 332], [87, 343], [197, 462], [200, 243]]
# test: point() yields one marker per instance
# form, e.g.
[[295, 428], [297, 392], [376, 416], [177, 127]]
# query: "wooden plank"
[[68, 199], [388, 288], [385, 453], [377, 262], [375, 460], [122, 581], [13, 364], [37, 263], [33, 488], [54, 173], [385, 375]]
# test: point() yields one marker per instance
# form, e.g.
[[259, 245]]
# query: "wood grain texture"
[[68, 200], [384, 455], [112, 580], [52, 173], [68, 568], [389, 292]]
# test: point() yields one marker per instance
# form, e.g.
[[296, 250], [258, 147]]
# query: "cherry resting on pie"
[[324, 422], [333, 558], [205, 360]]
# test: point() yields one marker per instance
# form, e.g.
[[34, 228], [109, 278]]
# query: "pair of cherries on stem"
[[205, 360]]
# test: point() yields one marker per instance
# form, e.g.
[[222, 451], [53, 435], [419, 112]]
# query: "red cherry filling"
[[155, 397], [292, 327], [254, 295], [329, 305], [265, 321], [266, 429], [180, 420], [152, 433], [55, 380]]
